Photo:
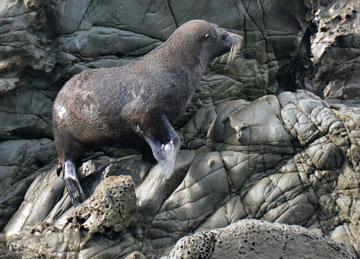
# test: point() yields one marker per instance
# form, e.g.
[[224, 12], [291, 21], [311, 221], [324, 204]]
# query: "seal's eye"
[[206, 36], [224, 36]]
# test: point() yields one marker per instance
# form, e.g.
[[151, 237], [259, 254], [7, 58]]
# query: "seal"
[[119, 106]]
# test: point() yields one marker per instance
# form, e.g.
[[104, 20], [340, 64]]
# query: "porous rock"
[[111, 208], [258, 239]]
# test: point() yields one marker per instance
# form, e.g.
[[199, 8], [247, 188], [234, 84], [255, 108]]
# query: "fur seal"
[[118, 106]]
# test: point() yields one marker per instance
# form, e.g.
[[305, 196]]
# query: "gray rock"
[[19, 164], [336, 49], [25, 114], [258, 239], [288, 158], [155, 189], [112, 207]]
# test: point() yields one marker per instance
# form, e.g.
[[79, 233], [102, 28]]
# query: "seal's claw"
[[72, 184]]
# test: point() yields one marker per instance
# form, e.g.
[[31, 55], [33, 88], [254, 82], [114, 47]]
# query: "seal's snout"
[[235, 42], [227, 42]]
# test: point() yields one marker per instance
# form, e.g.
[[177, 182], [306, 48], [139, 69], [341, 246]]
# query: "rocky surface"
[[305, 174], [21, 161], [286, 157], [258, 239], [111, 208], [336, 50]]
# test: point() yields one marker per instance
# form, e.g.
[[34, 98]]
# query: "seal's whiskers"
[[232, 53]]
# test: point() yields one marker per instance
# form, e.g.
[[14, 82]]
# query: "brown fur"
[[114, 106]]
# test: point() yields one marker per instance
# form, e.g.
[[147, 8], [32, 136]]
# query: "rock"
[[135, 255], [112, 207], [48, 190], [44, 43], [155, 189], [258, 239], [25, 114], [20, 163], [4, 252], [336, 49], [27, 59], [287, 158]]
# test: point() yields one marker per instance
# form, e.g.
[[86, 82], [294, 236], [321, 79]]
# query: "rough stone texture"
[[258, 239], [19, 164], [336, 50], [111, 208], [306, 174]]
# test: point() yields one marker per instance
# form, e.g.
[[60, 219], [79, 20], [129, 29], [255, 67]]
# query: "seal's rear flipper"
[[165, 144], [72, 183]]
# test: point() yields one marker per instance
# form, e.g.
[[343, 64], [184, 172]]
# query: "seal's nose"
[[236, 39]]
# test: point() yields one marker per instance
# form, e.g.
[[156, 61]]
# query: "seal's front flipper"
[[72, 183], [167, 156], [165, 144]]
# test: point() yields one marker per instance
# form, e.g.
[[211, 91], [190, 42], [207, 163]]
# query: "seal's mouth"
[[233, 50], [235, 47], [234, 44]]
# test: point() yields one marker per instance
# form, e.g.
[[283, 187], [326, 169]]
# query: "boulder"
[[258, 239]]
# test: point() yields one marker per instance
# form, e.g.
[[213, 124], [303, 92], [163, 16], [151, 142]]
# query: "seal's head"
[[205, 40]]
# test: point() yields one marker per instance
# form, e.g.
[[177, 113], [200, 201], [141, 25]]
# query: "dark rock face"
[[286, 158], [21, 161]]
